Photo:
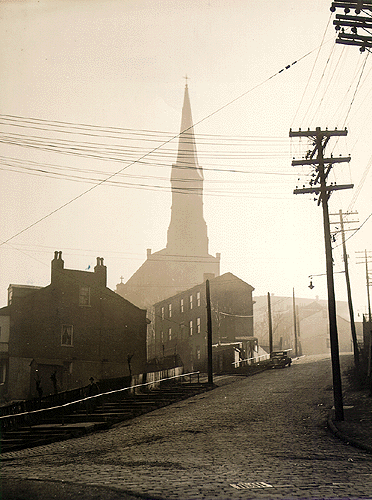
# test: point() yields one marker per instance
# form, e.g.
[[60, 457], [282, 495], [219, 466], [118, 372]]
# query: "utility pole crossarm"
[[315, 161], [318, 190], [361, 38], [314, 133], [353, 42], [360, 19], [358, 5]]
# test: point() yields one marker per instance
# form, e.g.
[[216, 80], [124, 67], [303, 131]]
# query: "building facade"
[[312, 325], [181, 320], [71, 330]]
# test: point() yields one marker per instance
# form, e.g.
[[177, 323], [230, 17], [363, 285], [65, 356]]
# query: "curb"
[[343, 437]]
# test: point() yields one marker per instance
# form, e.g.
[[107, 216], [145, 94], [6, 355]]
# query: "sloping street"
[[260, 437]]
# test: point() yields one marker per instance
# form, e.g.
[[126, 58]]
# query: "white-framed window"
[[198, 299], [198, 352], [169, 310], [162, 313], [169, 333], [190, 327], [181, 306], [67, 335], [84, 296], [190, 299], [197, 325]]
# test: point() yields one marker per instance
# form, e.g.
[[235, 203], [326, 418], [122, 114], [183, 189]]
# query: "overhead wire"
[[312, 70], [157, 148]]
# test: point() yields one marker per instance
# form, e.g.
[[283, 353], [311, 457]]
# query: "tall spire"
[[187, 156], [187, 232]]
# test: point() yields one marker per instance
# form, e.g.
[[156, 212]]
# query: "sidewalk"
[[356, 429]]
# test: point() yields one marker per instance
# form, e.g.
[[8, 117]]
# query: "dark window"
[[67, 335]]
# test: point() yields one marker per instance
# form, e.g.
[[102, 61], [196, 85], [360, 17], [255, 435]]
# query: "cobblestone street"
[[260, 437]]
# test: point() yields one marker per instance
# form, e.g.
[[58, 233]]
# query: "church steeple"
[[185, 261], [187, 232], [187, 156]]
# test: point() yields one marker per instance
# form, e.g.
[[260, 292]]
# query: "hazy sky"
[[114, 71]]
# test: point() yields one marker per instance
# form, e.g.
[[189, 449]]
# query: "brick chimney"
[[101, 271], [57, 266]]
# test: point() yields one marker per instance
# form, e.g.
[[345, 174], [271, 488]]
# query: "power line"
[[80, 128], [157, 147]]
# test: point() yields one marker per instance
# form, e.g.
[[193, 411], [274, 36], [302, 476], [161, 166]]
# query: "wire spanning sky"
[[90, 109]]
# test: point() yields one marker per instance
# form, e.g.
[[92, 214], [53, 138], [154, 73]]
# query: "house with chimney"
[[60, 335]]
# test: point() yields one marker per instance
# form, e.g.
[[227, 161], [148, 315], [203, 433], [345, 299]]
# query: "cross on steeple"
[[186, 78]]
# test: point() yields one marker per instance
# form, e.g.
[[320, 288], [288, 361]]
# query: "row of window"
[[182, 305], [193, 328]]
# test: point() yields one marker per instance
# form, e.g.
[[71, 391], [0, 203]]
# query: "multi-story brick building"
[[73, 329], [181, 320]]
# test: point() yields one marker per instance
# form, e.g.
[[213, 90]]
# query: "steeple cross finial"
[[186, 78]]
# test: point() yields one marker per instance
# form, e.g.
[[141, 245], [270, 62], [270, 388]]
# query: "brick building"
[[74, 328], [181, 320]]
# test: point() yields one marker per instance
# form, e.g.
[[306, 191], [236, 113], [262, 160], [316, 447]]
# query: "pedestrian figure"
[[129, 359], [92, 390], [39, 389], [53, 378]]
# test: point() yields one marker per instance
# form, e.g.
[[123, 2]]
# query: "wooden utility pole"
[[299, 348], [209, 333], [366, 257], [348, 288], [319, 186], [295, 325], [270, 324]]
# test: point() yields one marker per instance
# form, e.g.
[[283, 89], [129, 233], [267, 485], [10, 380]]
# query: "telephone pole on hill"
[[319, 186], [347, 277], [368, 282], [270, 323], [295, 324], [209, 333]]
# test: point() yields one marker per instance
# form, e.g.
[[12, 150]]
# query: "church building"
[[185, 262]]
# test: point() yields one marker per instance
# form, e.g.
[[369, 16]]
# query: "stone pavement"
[[263, 437]]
